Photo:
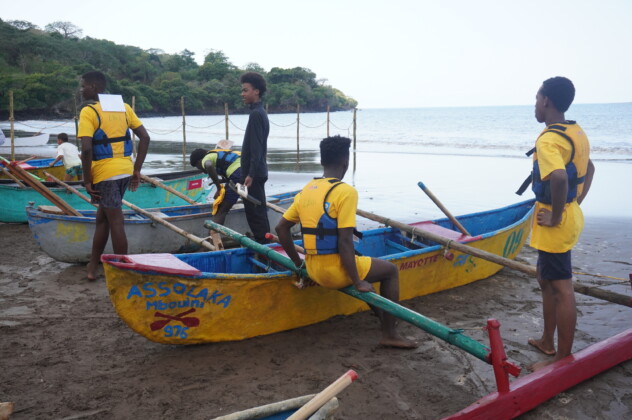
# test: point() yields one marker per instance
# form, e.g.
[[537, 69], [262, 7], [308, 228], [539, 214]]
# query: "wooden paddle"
[[525, 268], [10, 175], [443, 209], [157, 183], [42, 189], [325, 395], [195, 239]]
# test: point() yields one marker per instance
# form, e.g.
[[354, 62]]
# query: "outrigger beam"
[[528, 392], [452, 336]]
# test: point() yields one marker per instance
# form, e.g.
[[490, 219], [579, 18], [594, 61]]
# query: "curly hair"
[[256, 80], [97, 79], [560, 91], [196, 156], [334, 150]]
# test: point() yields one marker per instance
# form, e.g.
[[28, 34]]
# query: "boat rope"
[[208, 126], [42, 128], [281, 125], [236, 126]]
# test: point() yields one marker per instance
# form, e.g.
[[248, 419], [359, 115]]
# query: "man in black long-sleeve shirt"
[[253, 154]]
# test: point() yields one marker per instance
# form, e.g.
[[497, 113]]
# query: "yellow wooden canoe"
[[229, 295]]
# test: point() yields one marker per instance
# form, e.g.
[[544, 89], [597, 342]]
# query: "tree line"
[[42, 68]]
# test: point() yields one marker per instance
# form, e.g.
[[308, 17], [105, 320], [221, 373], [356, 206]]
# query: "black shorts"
[[553, 266], [111, 192]]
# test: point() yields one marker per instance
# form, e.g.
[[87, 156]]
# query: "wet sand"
[[64, 353]]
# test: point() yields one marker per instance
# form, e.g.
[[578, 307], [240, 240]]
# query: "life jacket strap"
[[107, 141], [525, 184]]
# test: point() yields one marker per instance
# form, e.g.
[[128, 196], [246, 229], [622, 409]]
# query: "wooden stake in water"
[[327, 120], [298, 127], [226, 119], [355, 110], [184, 135], [11, 120], [134, 135]]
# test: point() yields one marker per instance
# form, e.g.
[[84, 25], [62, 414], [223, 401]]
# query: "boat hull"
[[37, 167], [69, 238], [15, 199], [204, 299]]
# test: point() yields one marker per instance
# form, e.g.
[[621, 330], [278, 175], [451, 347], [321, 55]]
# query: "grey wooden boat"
[[69, 238]]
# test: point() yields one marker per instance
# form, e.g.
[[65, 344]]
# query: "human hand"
[[545, 218], [248, 181], [134, 182], [364, 286], [93, 193], [219, 190]]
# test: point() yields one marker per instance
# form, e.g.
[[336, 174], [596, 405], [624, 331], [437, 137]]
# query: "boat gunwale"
[[205, 275]]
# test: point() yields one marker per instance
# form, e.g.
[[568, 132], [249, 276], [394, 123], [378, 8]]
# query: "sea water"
[[471, 158]]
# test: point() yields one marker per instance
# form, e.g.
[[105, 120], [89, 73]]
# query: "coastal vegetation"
[[42, 68]]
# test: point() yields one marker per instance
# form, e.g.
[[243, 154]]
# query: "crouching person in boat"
[[326, 210], [224, 162]]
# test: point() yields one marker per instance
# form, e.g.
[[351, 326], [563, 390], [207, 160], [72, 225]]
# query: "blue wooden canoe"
[[15, 199], [230, 295]]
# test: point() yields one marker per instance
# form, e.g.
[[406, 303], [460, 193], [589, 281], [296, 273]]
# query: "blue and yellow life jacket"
[[225, 161], [102, 144], [576, 167], [319, 230]]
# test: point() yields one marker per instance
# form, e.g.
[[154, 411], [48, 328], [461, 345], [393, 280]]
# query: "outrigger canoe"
[[15, 198], [37, 167], [230, 295], [69, 238]]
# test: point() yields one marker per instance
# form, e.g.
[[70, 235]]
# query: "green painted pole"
[[452, 336]]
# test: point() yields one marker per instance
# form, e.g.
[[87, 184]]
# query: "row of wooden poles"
[[184, 134]]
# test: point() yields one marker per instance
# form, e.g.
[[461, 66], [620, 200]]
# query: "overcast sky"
[[385, 54]]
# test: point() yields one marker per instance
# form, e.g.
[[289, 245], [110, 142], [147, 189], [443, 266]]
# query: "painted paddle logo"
[[175, 330]]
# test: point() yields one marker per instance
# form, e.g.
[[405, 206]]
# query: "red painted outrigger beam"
[[526, 393]]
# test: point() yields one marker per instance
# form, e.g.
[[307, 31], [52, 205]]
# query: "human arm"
[[86, 164], [285, 239], [57, 159], [256, 141], [209, 168], [590, 172], [347, 258], [559, 190], [143, 147]]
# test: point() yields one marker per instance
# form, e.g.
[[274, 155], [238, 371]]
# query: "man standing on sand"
[[562, 175], [106, 149], [326, 209], [254, 168]]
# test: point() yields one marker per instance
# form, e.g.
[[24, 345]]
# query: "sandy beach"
[[65, 354]]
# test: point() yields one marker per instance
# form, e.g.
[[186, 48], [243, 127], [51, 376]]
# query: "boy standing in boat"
[[70, 155], [562, 174], [326, 210], [253, 154], [106, 149], [223, 162]]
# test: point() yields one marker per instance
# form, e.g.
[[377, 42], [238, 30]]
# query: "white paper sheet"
[[111, 103]]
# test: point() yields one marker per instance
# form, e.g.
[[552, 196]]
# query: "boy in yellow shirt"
[[326, 209], [108, 169], [562, 175]]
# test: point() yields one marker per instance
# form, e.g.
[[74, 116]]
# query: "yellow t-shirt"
[[552, 153], [327, 270], [114, 124]]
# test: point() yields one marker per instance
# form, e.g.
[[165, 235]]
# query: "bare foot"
[[538, 344], [92, 273], [539, 365], [398, 342]]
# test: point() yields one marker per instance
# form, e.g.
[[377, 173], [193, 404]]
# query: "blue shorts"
[[75, 171], [111, 192], [231, 195], [552, 266]]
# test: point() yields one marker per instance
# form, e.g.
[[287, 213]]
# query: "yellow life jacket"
[[576, 167], [319, 230], [225, 161]]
